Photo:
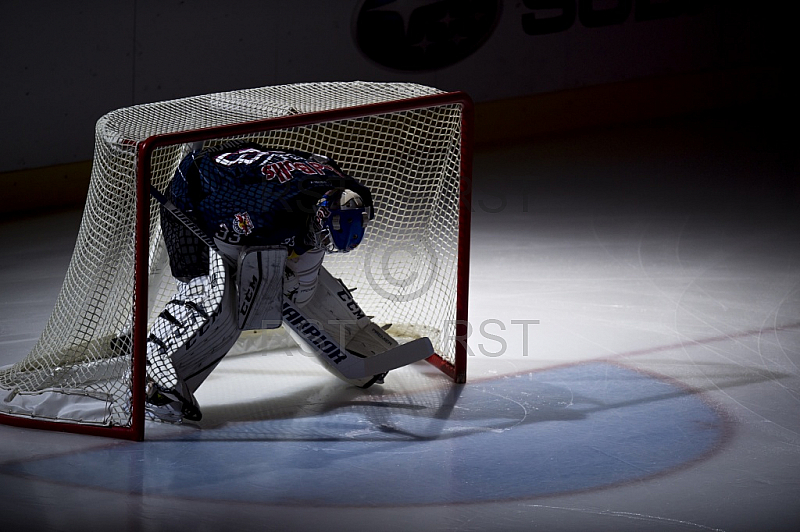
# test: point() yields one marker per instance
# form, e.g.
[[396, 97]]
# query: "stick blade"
[[399, 356]]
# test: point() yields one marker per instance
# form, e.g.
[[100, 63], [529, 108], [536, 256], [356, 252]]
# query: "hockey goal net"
[[407, 143]]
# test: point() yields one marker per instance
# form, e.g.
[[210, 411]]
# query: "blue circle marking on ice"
[[563, 430]]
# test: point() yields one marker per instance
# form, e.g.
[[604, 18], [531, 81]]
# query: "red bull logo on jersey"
[[242, 224]]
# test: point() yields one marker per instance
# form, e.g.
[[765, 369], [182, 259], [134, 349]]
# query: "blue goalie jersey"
[[248, 195]]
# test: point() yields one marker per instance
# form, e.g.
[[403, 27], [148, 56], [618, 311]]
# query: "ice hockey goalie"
[[270, 216]]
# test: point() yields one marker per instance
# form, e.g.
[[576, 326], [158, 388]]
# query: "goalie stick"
[[183, 218]]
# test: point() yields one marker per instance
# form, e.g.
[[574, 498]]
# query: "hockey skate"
[[169, 405]]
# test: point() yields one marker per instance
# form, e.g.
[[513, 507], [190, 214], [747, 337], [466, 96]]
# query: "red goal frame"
[[456, 370]]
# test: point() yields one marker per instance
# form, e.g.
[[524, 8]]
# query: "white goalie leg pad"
[[260, 282], [335, 309], [189, 338], [186, 313], [302, 272], [351, 346], [210, 342]]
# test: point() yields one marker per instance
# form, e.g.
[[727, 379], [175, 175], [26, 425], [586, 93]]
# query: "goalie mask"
[[340, 220]]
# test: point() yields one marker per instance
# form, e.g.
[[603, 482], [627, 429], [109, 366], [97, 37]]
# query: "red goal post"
[[410, 144]]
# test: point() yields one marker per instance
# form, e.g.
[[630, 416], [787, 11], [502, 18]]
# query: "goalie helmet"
[[340, 220]]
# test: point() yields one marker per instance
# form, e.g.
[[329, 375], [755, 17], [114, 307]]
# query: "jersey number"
[[226, 235]]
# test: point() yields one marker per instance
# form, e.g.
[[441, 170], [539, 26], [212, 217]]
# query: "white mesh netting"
[[404, 271]]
